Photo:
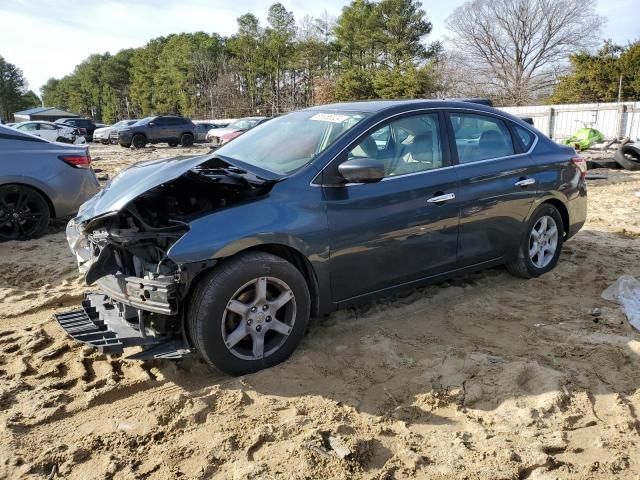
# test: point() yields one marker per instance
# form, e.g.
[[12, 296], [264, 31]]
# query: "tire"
[[138, 141], [24, 213], [527, 265], [627, 159], [173, 144], [235, 282], [186, 140]]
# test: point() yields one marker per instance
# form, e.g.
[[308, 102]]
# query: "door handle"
[[525, 182], [442, 198]]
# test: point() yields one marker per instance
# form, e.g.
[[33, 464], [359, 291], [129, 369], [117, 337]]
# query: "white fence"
[[614, 120]]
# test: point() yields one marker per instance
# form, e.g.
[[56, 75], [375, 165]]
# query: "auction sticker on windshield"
[[329, 117]]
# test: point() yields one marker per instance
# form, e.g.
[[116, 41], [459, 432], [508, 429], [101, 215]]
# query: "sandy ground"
[[487, 376]]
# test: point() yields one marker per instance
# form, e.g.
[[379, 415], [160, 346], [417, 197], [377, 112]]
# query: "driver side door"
[[403, 228]]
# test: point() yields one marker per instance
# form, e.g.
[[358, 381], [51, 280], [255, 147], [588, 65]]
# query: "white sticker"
[[329, 117]]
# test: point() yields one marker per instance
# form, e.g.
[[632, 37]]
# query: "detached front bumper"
[[111, 326]]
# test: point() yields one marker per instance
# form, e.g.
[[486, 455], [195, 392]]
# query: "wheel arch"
[[564, 214], [286, 252]]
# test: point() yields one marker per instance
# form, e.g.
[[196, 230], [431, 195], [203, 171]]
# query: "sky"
[[48, 38]]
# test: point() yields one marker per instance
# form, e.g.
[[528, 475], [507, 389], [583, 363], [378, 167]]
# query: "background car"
[[102, 135], [40, 180], [227, 137], [54, 132], [85, 124], [173, 130], [202, 128], [215, 136]]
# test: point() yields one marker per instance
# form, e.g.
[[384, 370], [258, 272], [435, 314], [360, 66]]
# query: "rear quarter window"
[[525, 136]]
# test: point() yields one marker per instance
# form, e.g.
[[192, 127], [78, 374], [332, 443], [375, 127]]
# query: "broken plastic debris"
[[626, 292]]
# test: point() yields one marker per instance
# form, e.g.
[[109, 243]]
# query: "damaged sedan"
[[228, 255]]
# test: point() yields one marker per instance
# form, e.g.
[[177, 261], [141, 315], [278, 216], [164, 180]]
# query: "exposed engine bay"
[[135, 241]]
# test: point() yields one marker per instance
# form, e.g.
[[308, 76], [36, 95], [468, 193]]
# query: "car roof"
[[34, 121], [375, 106]]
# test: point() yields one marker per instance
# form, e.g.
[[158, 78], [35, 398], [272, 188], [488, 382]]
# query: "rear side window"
[[480, 137], [526, 137]]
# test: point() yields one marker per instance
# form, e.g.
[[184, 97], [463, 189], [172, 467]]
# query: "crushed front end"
[[141, 291]]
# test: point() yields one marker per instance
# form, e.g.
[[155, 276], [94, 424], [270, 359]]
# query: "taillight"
[[581, 163], [77, 161]]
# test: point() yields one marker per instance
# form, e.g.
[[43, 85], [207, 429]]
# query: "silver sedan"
[[40, 180]]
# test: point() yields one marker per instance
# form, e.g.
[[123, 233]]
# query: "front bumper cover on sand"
[[100, 323]]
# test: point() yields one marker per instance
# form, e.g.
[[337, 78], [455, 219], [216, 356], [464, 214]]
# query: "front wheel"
[[249, 313], [540, 249]]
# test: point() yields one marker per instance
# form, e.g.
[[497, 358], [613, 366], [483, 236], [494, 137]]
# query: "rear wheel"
[[540, 249], [138, 141], [249, 313], [186, 140], [24, 213]]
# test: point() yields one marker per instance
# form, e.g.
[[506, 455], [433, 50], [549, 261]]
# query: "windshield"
[[144, 121], [287, 143]]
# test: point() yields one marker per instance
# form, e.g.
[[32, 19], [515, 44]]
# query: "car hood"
[[102, 130], [219, 132], [135, 180], [143, 176]]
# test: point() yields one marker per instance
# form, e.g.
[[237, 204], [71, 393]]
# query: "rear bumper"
[[577, 207], [102, 323]]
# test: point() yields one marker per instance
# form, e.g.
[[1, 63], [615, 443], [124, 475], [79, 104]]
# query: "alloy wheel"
[[21, 213], [543, 241], [259, 318]]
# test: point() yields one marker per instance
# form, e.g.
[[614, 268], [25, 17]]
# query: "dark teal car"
[[227, 255]]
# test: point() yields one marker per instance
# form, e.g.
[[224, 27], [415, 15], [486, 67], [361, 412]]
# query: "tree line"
[[513, 51], [372, 50], [14, 95]]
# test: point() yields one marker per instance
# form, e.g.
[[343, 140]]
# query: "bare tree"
[[512, 49]]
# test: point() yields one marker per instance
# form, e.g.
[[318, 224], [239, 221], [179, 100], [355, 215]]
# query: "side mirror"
[[151, 124], [362, 170]]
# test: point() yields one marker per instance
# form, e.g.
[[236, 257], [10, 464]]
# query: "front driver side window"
[[480, 137], [408, 145]]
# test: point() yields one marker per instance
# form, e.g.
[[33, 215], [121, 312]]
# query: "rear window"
[[525, 136]]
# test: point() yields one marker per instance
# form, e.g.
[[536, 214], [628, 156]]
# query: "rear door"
[[404, 227], [498, 183]]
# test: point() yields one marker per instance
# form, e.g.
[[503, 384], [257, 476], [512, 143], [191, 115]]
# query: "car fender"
[[227, 232]]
